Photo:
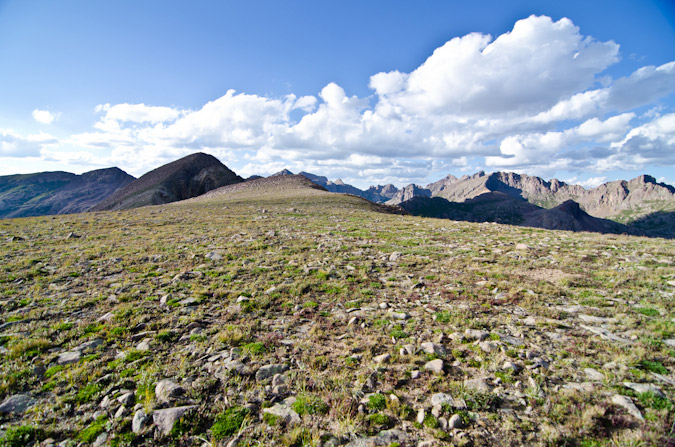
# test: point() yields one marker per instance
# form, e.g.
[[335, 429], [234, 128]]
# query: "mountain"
[[621, 201], [408, 193], [337, 186], [182, 179], [627, 201], [57, 192], [503, 208], [385, 192]]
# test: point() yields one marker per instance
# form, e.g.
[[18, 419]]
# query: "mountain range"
[[641, 206], [57, 192]]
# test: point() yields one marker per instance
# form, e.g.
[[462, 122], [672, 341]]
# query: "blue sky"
[[372, 92]]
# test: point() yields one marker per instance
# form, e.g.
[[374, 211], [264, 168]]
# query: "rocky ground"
[[306, 318]]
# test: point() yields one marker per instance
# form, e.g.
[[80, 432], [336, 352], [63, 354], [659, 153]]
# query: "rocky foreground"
[[309, 318]]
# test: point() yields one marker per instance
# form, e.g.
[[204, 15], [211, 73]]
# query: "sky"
[[371, 92]]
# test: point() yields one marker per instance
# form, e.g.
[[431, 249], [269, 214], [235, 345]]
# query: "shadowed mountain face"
[[502, 208], [57, 192], [179, 180]]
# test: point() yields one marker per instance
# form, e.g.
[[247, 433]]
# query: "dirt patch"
[[553, 276]]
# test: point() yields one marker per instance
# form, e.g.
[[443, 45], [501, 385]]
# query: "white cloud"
[[45, 116], [593, 182], [16, 145], [652, 143], [532, 67]]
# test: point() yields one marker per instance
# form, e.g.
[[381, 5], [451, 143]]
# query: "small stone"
[[165, 419], [284, 411], [475, 334], [433, 348], [144, 345], [421, 414], [90, 345], [644, 388], [267, 371], [121, 411], [166, 390], [127, 399], [627, 403], [409, 349], [441, 399], [100, 440], [488, 346], [478, 384], [139, 421], [594, 374], [384, 358], [105, 403], [66, 358], [17, 403], [384, 305], [455, 422], [510, 366], [435, 366], [522, 247], [106, 318], [415, 374]]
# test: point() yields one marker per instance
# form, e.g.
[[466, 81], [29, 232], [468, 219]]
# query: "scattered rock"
[[139, 421], [433, 348], [594, 374], [17, 403], [455, 422], [90, 345], [166, 391], [267, 371], [478, 384], [384, 358], [165, 419], [627, 403], [66, 358], [435, 366], [441, 399], [644, 388], [475, 334], [284, 411]]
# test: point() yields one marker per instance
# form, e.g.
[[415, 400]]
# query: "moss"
[[377, 402], [228, 422], [90, 433], [21, 436]]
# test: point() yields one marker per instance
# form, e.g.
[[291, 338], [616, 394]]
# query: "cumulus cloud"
[[16, 145], [536, 99], [44, 116], [652, 143]]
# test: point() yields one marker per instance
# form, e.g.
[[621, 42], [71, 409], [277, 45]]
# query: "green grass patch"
[[228, 422], [309, 405]]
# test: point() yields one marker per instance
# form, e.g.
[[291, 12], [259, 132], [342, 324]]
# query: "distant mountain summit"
[[57, 192], [182, 179]]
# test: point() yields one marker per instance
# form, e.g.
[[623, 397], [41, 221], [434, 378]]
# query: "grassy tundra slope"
[[275, 313]]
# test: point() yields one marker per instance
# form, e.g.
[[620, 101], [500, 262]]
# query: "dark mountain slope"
[[58, 192], [182, 179], [502, 208]]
